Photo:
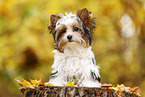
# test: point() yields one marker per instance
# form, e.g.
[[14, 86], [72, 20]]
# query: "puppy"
[[73, 56]]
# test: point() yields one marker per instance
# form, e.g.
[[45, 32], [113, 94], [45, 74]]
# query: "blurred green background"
[[26, 45]]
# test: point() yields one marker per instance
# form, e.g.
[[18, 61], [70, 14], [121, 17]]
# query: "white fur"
[[76, 61], [66, 19]]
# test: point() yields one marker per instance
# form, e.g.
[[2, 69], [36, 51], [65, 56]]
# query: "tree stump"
[[55, 91]]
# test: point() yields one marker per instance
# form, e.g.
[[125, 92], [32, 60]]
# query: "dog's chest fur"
[[76, 61]]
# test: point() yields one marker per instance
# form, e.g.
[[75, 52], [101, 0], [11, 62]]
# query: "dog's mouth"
[[73, 41], [69, 43]]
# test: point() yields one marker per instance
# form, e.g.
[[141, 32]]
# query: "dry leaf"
[[48, 84], [20, 83], [26, 83], [35, 82], [70, 84]]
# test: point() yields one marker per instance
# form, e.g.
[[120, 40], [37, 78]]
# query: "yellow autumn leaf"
[[138, 94], [70, 84], [48, 84], [20, 83], [111, 88], [118, 89], [35, 82], [26, 83]]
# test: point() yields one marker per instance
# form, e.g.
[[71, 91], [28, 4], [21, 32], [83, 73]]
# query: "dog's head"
[[72, 29]]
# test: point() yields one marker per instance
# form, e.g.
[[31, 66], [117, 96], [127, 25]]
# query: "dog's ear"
[[87, 18], [52, 23]]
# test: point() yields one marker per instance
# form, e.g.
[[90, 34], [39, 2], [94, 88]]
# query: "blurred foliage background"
[[26, 45]]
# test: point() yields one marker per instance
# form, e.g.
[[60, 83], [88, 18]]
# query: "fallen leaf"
[[118, 89], [35, 82], [20, 83], [26, 83], [70, 84], [48, 84]]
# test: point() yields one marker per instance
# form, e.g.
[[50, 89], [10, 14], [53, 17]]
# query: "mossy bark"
[[54, 91]]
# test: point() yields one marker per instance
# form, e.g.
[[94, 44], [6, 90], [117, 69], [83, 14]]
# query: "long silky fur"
[[88, 23], [74, 59]]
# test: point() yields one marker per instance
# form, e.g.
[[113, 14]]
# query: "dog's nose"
[[69, 37]]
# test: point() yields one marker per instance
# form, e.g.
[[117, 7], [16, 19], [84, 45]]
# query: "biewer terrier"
[[73, 56]]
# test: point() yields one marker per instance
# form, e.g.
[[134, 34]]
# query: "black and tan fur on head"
[[88, 23], [86, 20], [52, 22]]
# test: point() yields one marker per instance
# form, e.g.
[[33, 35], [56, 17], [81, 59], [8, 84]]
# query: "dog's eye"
[[76, 28]]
